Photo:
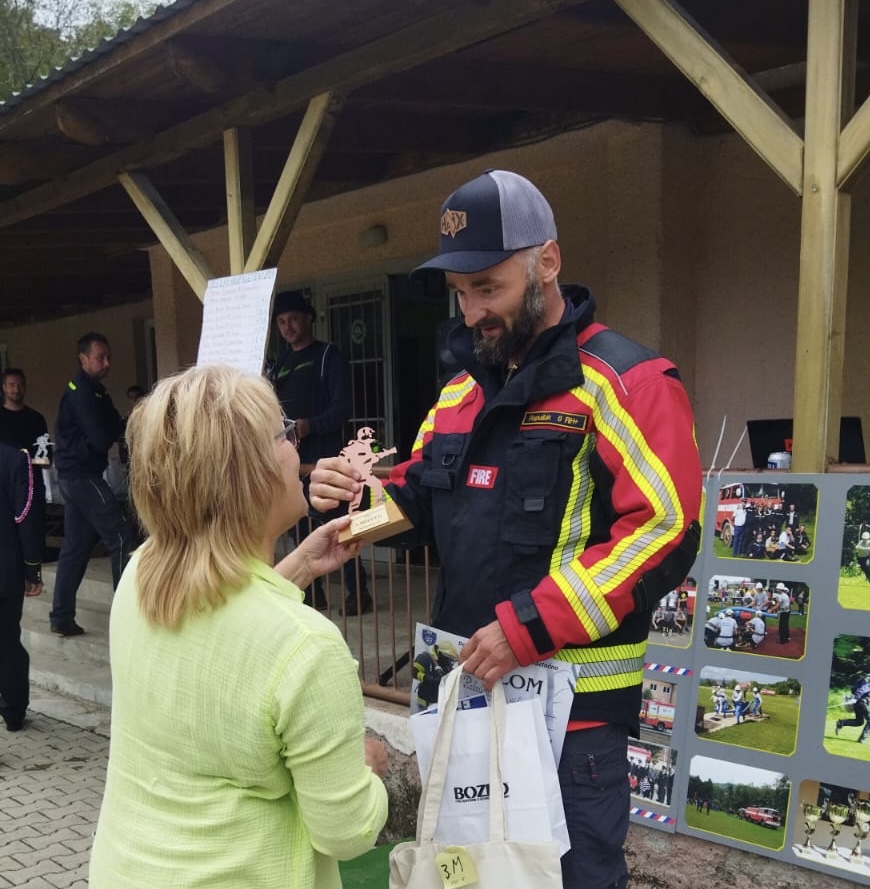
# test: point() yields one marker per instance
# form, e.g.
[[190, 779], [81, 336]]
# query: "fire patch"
[[481, 477]]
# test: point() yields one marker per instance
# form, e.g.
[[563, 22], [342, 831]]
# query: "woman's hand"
[[333, 482], [318, 554], [376, 757]]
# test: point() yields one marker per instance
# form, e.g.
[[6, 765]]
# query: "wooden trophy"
[[383, 518]]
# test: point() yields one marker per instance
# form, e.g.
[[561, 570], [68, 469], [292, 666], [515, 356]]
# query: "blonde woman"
[[237, 755]]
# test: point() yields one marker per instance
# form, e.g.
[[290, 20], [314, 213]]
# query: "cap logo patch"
[[453, 221]]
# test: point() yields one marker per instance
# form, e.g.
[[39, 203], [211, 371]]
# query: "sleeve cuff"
[[518, 636]]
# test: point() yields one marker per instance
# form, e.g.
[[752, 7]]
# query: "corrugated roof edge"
[[101, 49]]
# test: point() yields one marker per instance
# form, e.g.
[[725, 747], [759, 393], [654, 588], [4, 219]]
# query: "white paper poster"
[[235, 320]]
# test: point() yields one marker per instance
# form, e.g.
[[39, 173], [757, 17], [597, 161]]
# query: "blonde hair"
[[203, 476]]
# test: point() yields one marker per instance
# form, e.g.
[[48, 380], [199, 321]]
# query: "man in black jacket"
[[21, 538], [313, 382], [87, 427]]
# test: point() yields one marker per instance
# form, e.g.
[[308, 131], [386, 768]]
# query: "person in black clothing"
[[20, 425], [21, 536], [861, 694], [87, 427], [24, 428], [312, 381]]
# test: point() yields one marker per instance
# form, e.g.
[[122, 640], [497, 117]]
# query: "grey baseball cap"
[[489, 219]]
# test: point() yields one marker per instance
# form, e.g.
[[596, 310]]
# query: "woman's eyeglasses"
[[288, 431]]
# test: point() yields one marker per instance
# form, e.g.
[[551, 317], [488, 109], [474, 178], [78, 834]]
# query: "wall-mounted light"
[[373, 236]]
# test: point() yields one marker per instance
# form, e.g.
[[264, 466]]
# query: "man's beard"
[[498, 351]]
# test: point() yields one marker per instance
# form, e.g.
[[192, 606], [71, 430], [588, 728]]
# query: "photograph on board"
[[674, 616], [748, 709], [832, 825], [657, 708], [757, 615], [651, 771], [847, 719], [737, 801], [766, 521], [854, 584]]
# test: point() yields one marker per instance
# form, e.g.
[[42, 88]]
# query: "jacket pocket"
[[530, 518], [446, 459]]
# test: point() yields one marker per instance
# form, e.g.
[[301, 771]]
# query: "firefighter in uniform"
[[559, 477]]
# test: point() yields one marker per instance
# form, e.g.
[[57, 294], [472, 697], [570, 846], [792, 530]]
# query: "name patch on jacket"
[[481, 476], [555, 420]]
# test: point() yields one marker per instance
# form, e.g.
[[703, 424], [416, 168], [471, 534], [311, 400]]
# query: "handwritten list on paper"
[[235, 320]]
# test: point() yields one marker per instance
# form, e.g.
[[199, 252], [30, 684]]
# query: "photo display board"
[[754, 728]]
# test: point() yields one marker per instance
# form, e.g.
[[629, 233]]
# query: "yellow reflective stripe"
[[582, 594], [605, 668], [451, 395], [647, 472], [425, 427], [72, 385]]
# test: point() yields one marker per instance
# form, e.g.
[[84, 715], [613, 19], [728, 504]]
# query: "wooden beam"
[[824, 255], [429, 38], [854, 148], [187, 258], [241, 212], [194, 69], [308, 147], [718, 77]]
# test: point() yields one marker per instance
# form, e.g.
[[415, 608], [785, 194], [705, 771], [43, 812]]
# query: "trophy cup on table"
[[837, 814], [862, 828], [812, 813]]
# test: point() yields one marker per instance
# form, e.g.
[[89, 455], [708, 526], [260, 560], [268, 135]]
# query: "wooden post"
[[824, 254]]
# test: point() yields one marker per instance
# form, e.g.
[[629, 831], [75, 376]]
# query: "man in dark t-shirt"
[[312, 381], [20, 425]]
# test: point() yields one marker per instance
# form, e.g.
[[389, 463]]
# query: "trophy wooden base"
[[41, 462], [378, 523]]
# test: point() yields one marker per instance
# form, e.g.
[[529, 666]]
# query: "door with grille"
[[357, 317]]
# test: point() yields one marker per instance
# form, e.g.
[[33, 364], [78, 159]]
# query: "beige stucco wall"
[[47, 353], [690, 244]]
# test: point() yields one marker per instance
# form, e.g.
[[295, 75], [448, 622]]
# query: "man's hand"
[[333, 481], [303, 429], [487, 655]]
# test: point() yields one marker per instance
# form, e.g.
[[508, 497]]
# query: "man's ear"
[[549, 262]]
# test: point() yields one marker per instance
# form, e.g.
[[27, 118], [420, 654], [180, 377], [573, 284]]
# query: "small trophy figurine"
[[383, 518], [40, 456]]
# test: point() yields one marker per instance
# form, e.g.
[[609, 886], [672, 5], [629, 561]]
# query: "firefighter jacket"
[[87, 427], [575, 480]]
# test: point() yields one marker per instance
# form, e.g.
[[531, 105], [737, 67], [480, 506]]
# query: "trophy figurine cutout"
[[40, 456], [383, 518]]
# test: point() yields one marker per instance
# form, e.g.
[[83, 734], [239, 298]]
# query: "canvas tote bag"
[[497, 864], [533, 798]]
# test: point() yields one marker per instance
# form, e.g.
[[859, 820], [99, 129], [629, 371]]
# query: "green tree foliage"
[[39, 35], [851, 658]]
